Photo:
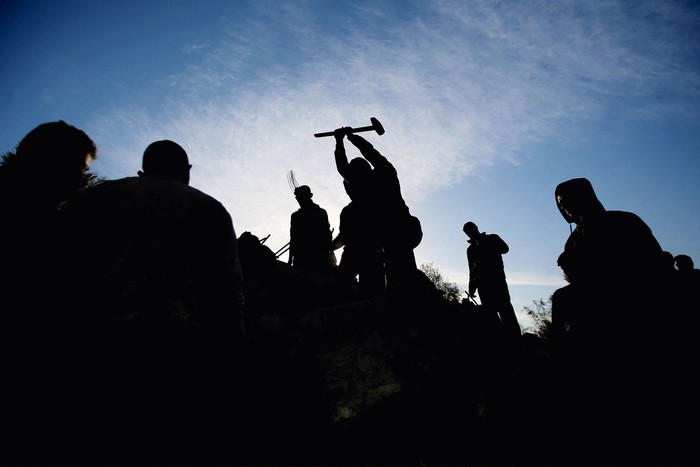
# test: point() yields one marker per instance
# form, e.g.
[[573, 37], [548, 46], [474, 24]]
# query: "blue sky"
[[487, 106]]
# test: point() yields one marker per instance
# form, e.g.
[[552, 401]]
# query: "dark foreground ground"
[[326, 378]]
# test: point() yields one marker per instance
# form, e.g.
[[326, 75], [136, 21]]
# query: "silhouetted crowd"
[[125, 306]]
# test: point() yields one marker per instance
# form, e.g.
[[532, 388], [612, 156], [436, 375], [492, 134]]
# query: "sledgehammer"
[[376, 126]]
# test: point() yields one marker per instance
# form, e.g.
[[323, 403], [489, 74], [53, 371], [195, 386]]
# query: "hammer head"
[[377, 126]]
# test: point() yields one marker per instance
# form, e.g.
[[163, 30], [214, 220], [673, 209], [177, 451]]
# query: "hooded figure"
[[576, 200], [607, 249], [614, 265], [612, 260]]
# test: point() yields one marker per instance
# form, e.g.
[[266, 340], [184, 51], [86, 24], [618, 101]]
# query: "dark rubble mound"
[[400, 379], [411, 378]]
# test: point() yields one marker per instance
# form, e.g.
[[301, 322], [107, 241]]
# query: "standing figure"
[[685, 284], [603, 238], [378, 190], [45, 171], [618, 359], [566, 309], [309, 235], [487, 275], [160, 325], [361, 262], [47, 168], [168, 251]]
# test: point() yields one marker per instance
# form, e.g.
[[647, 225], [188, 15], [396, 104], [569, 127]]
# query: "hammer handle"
[[353, 130]]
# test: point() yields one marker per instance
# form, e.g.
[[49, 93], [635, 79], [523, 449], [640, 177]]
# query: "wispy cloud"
[[194, 47], [458, 86]]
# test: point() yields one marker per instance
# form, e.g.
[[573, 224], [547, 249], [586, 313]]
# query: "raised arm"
[[373, 156], [341, 158]]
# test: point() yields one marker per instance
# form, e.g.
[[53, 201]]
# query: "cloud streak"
[[459, 86]]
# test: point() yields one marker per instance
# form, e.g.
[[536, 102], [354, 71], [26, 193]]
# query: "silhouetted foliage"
[[449, 290], [541, 315]]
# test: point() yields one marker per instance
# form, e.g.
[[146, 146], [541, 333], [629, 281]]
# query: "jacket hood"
[[577, 200]]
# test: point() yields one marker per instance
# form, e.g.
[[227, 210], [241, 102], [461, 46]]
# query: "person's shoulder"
[[619, 214], [106, 186], [205, 196], [106, 191], [493, 237], [205, 199], [626, 218], [112, 183]]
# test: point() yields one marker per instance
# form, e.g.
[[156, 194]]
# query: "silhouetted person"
[[161, 309], [309, 235], [685, 265], [683, 333], [487, 276], [362, 260], [615, 264], [45, 170], [603, 238], [378, 190], [169, 250], [48, 167], [565, 309], [686, 282]]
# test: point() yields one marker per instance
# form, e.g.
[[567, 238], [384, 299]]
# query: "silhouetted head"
[[684, 262], [57, 154], [360, 169], [577, 201], [303, 192], [470, 229], [568, 265], [166, 159]]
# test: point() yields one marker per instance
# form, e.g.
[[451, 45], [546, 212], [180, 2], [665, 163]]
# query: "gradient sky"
[[487, 106]]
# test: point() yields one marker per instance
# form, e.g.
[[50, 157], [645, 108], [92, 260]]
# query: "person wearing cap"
[[310, 235]]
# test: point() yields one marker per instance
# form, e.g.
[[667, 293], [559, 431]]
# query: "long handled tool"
[[375, 126], [282, 250], [471, 298]]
